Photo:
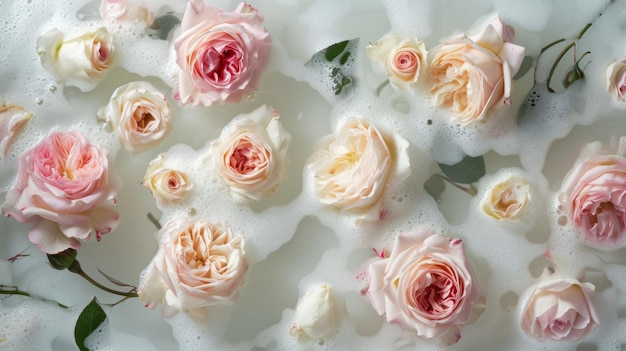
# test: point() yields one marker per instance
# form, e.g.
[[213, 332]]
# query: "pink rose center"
[[221, 62], [173, 185], [247, 158], [437, 291], [605, 221], [102, 52], [144, 120], [406, 62]]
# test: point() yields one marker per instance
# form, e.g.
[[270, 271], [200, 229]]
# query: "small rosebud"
[[63, 260], [316, 315]]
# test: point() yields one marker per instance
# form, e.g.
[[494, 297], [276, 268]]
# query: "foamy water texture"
[[294, 243]]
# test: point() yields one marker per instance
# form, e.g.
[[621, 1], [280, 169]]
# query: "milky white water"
[[293, 242]]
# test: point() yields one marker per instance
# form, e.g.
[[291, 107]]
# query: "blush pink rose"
[[559, 309], [426, 285], [616, 79], [220, 55], [472, 74], [126, 11], [63, 188], [594, 194], [402, 58]]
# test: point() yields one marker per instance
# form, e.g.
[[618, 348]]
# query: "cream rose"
[[12, 119], [426, 285], [560, 309], [85, 58], [139, 114], [593, 194], [316, 315], [250, 155], [507, 199], [201, 263], [401, 58], [352, 166], [126, 11], [470, 75], [616, 79], [166, 184], [220, 55]]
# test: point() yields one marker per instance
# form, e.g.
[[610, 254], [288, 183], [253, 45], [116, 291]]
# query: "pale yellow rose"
[[316, 315], [402, 58], [166, 184], [250, 155], [507, 199], [12, 119], [139, 114], [84, 58], [472, 74]]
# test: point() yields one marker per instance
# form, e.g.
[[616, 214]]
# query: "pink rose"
[[126, 11], [616, 79], [220, 55], [402, 58], [201, 263], [559, 309], [470, 75], [426, 285], [594, 193], [63, 187]]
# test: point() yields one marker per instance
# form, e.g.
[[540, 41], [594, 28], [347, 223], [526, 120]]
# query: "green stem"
[[154, 220], [584, 30], [16, 291], [470, 190], [556, 63], [75, 268], [382, 85]]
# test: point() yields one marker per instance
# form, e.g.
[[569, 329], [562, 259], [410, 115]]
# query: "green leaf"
[[526, 65], [162, 26], [334, 62], [468, 171], [435, 186], [63, 259], [331, 52], [88, 321]]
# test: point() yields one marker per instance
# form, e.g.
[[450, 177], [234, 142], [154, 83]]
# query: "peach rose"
[[594, 193], [166, 184], [202, 264], [352, 166], [507, 199], [400, 57], [85, 58], [126, 11], [250, 155], [63, 187], [139, 114], [470, 75], [559, 309], [616, 79], [220, 55], [12, 119], [426, 285]]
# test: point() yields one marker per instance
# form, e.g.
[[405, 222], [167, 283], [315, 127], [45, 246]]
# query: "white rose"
[[316, 315], [250, 155], [85, 58], [400, 57], [12, 118], [139, 114], [166, 184], [126, 11], [507, 199]]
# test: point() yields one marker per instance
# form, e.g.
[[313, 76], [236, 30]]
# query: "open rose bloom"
[[559, 309], [199, 264], [63, 187], [426, 285], [616, 79], [139, 114], [167, 185], [220, 55], [472, 74], [81, 60], [402, 58], [594, 194], [250, 155], [353, 165], [507, 199]]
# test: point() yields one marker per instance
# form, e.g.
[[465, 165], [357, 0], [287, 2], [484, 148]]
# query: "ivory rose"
[[472, 74], [166, 184], [426, 285], [593, 193], [250, 155], [126, 11], [401, 58], [12, 119], [616, 79], [560, 309], [507, 199], [64, 188], [85, 58], [316, 315], [139, 114], [220, 55], [352, 166], [201, 263]]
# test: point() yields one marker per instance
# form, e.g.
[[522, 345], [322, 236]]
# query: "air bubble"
[[562, 221], [40, 101], [53, 88], [191, 212]]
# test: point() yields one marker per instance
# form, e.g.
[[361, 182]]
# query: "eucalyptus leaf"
[[526, 65], [331, 52], [162, 26], [435, 186], [468, 171], [334, 62], [88, 321]]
